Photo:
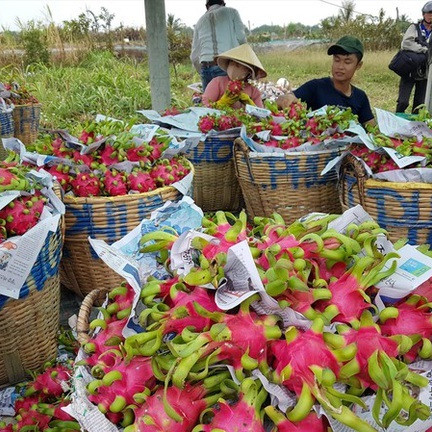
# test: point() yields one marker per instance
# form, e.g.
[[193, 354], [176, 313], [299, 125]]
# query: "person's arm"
[[212, 93], [239, 28], [195, 51], [409, 41], [304, 92]]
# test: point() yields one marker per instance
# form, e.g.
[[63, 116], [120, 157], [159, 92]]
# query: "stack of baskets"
[[404, 209], [103, 218], [215, 183], [290, 184], [29, 325], [26, 122]]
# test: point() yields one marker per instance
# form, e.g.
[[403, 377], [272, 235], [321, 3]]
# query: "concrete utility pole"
[[157, 49], [428, 98]]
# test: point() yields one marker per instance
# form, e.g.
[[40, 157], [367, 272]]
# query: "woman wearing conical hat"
[[234, 90]]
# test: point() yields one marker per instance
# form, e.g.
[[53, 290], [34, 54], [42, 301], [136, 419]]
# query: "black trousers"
[[405, 88]]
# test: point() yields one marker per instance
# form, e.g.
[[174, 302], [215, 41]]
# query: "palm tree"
[[174, 24], [346, 12]]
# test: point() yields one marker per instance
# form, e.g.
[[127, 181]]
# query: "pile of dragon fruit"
[[195, 367], [95, 171], [379, 161], [24, 211], [39, 404], [289, 128]]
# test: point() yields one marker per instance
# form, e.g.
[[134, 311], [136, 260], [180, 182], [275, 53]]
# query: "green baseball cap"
[[350, 44]]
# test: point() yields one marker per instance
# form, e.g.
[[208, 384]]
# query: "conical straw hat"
[[245, 55]]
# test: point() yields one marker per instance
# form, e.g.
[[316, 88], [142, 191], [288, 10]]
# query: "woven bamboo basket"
[[6, 130], [404, 209], [29, 325], [215, 184], [26, 121], [291, 185], [93, 298], [103, 218]]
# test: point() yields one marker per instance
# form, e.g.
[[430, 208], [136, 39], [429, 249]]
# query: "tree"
[[346, 12]]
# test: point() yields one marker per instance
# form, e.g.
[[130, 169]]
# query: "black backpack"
[[409, 63]]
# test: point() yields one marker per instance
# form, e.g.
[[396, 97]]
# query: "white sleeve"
[[195, 51], [239, 28]]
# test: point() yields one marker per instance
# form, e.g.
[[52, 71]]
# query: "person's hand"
[[245, 98], [286, 100], [227, 100]]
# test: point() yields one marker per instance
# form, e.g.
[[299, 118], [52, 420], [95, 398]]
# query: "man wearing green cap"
[[336, 90]]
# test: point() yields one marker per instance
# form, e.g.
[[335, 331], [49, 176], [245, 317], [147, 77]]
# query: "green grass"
[[104, 84]]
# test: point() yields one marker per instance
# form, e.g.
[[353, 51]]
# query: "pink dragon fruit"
[[121, 301], [22, 214], [83, 159], [291, 142], [157, 147], [108, 337], [115, 183], [61, 174], [311, 423], [86, 137], [8, 179], [312, 126], [59, 149], [410, 318], [242, 416], [297, 110], [348, 292], [235, 87], [295, 358], [162, 174], [122, 385], [276, 128], [50, 382], [109, 155], [207, 123], [387, 165], [177, 410], [179, 168], [86, 184], [138, 154], [141, 181]]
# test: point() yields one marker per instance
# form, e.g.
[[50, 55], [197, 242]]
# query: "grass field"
[[104, 84]]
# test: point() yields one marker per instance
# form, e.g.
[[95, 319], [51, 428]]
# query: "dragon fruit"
[[171, 410], [61, 174], [109, 155], [348, 292], [87, 137], [122, 385], [311, 423], [410, 318], [243, 415], [108, 337], [207, 123], [162, 174], [59, 149], [10, 179], [179, 168], [141, 181], [138, 154], [83, 159], [51, 382], [22, 214], [114, 183], [85, 185], [157, 147], [235, 87], [297, 110]]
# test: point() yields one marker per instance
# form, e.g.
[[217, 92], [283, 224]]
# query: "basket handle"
[[240, 145], [353, 165], [95, 296]]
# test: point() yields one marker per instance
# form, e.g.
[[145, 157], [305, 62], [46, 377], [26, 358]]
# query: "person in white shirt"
[[218, 30]]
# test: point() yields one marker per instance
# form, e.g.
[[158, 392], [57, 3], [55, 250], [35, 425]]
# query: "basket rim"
[[71, 199], [376, 184], [39, 104], [239, 142]]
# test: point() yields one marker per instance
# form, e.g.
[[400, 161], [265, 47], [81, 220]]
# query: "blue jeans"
[[210, 72]]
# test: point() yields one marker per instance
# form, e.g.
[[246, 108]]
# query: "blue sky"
[[253, 12]]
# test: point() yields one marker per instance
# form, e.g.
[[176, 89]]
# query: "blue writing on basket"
[[215, 151]]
